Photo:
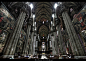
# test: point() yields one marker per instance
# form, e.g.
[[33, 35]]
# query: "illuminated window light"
[[31, 5], [57, 32], [55, 5], [35, 28], [43, 46], [43, 22], [59, 2], [51, 22], [53, 15], [33, 16], [35, 23]]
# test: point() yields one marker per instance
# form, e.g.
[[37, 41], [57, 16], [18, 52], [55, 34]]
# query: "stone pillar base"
[[24, 55], [78, 57], [5, 56], [8, 56]]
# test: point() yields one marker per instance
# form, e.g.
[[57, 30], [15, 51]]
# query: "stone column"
[[76, 46], [61, 42], [76, 38], [30, 47], [50, 44], [23, 53], [70, 51], [28, 34], [71, 40], [7, 43], [52, 37], [53, 47], [34, 44], [31, 44], [27, 39], [17, 34], [56, 45], [11, 40], [50, 41]]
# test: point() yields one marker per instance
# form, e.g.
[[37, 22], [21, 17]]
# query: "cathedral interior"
[[38, 30]]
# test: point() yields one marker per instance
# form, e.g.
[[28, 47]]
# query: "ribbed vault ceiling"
[[43, 31], [43, 12]]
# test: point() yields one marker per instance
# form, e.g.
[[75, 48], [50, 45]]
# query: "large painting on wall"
[[79, 22], [3, 37], [7, 21], [80, 19]]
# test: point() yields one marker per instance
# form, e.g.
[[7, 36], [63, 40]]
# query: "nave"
[[43, 30]]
